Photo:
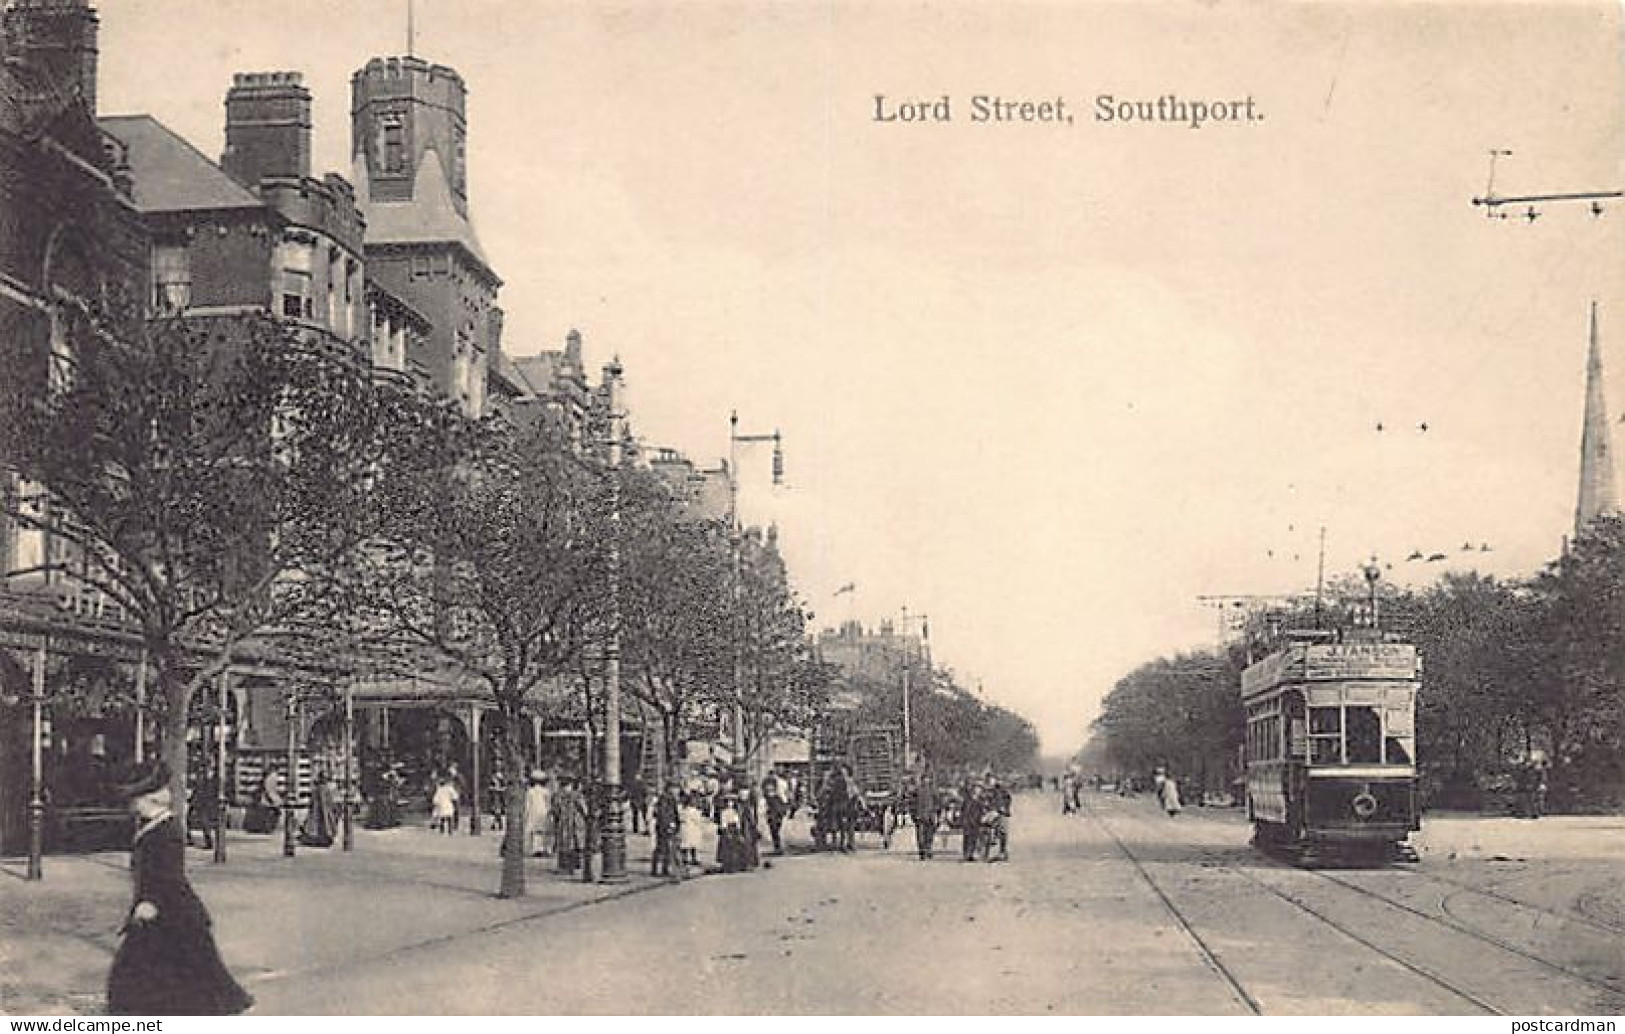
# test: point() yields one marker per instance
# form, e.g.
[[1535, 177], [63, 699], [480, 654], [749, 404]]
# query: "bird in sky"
[[1436, 557], [1415, 555], [1423, 427], [1379, 425]]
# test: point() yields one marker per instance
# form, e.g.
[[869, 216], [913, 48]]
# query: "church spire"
[[1598, 494]]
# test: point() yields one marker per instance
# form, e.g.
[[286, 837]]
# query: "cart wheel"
[[888, 823]]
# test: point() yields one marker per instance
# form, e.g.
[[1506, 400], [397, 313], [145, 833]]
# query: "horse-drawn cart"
[[858, 773]]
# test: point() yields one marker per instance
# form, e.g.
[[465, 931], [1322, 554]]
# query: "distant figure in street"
[[537, 802], [203, 811], [924, 808], [1069, 793], [637, 799], [1168, 795], [167, 963], [496, 799], [970, 819], [383, 810], [691, 834], [776, 795], [730, 835], [317, 830], [668, 823], [443, 807], [263, 814], [996, 820], [569, 826]]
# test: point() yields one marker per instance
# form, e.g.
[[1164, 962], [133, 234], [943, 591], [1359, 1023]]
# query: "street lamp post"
[[290, 780], [348, 811], [908, 665], [735, 440], [36, 797], [220, 768], [613, 842]]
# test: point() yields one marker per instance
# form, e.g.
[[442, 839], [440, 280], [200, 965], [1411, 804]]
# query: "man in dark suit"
[[924, 809]]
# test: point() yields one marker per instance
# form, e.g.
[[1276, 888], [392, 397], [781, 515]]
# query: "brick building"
[[409, 138]]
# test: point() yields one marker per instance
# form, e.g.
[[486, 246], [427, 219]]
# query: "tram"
[[1330, 748]]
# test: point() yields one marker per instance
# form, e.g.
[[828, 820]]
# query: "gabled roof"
[[429, 218], [170, 174]]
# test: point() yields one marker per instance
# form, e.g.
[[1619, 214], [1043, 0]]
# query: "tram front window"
[[1325, 735], [1364, 727]]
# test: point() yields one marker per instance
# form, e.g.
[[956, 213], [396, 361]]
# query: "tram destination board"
[[1322, 662]]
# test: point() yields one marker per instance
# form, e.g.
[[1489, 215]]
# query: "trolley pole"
[[735, 440], [613, 844]]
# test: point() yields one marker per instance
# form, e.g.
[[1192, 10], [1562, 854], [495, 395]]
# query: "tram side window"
[[1364, 727], [1325, 735], [1401, 739]]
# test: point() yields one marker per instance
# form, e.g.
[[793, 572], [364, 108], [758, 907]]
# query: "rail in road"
[[1430, 943]]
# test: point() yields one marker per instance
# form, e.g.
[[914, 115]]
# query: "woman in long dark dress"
[[167, 963]]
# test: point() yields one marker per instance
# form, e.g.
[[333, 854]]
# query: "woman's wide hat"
[[141, 779]]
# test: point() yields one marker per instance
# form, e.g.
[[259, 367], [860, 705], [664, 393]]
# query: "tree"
[[675, 612], [198, 472], [500, 568]]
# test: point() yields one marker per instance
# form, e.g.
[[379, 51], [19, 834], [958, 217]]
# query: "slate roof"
[[170, 174], [429, 218]]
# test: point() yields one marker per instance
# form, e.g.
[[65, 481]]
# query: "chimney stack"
[[57, 40], [267, 127]]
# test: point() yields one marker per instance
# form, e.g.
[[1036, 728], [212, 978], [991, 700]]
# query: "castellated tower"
[[408, 139], [1598, 493], [401, 110]]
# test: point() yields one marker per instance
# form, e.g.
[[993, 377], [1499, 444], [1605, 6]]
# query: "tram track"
[[1578, 914], [1455, 923], [1614, 988], [1214, 861], [1209, 957]]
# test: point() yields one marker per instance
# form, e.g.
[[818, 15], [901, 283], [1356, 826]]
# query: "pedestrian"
[[668, 822], [637, 799], [456, 779], [569, 826], [317, 829], [692, 832], [203, 809], [730, 835], [383, 813], [750, 824], [263, 814], [996, 820], [970, 819], [496, 798], [1168, 795], [538, 799], [776, 797], [167, 963], [443, 806], [925, 808]]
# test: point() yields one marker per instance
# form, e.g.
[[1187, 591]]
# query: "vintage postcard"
[[803, 508]]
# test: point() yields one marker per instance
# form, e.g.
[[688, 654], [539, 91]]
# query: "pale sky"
[[1045, 383]]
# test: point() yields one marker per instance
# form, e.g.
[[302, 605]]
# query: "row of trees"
[[950, 726], [241, 488], [1513, 670]]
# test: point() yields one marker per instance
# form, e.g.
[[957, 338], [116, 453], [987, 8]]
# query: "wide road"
[[1120, 910]]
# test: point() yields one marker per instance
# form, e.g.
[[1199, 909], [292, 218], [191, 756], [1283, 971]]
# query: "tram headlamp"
[[1364, 805]]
